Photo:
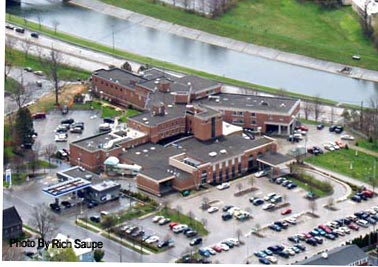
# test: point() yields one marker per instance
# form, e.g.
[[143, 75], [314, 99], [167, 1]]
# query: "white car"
[[224, 247], [335, 146], [233, 210], [152, 239], [328, 147], [234, 241], [362, 223], [223, 186], [290, 251], [272, 259], [347, 137], [345, 229], [268, 206], [261, 173], [211, 251], [269, 196], [212, 209], [179, 228], [157, 218], [62, 137], [291, 220]]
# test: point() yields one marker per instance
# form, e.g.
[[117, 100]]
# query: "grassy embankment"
[[150, 61], [286, 25]]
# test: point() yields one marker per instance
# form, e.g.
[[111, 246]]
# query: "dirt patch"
[[66, 97], [245, 191]]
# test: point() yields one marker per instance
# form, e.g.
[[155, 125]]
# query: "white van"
[[104, 213]]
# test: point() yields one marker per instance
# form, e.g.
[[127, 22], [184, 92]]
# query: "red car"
[[217, 248], [353, 227], [302, 128], [307, 235], [368, 193], [172, 224], [40, 115], [325, 228], [286, 211]]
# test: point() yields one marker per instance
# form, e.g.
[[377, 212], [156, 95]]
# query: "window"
[[238, 121], [253, 122], [253, 114]]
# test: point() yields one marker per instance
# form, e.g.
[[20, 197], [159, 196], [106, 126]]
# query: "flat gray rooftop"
[[154, 158], [251, 103], [95, 142], [175, 111], [120, 76], [78, 172]]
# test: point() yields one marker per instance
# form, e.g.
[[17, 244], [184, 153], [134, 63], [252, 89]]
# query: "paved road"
[[225, 42]]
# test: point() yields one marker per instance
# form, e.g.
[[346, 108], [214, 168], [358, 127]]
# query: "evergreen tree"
[[24, 127]]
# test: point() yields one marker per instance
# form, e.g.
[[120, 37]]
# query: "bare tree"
[[307, 109], [190, 215], [12, 253], [251, 181], [9, 44], [331, 202], [205, 203], [26, 45], [317, 107], [44, 221], [39, 17], [178, 210], [239, 186], [49, 151], [33, 157], [52, 64], [204, 222], [238, 234], [19, 94], [313, 206], [55, 24]]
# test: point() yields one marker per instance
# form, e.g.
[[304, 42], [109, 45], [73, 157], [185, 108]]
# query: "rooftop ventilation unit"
[[213, 154], [145, 150], [170, 106], [153, 148], [146, 122], [223, 151], [144, 119], [283, 105], [137, 153]]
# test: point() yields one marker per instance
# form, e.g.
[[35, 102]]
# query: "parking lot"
[[46, 127]]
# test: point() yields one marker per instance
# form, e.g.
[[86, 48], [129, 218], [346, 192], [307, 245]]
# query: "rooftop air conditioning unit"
[[212, 154]]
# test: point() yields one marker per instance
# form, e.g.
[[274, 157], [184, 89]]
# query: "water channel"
[[149, 42]]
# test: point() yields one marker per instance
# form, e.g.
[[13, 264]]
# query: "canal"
[[149, 42]]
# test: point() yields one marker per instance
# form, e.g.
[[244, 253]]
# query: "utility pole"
[[130, 194], [361, 114]]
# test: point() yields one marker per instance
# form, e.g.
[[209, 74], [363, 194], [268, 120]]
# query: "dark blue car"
[[204, 252], [264, 261]]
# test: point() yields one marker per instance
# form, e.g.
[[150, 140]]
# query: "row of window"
[[241, 113]]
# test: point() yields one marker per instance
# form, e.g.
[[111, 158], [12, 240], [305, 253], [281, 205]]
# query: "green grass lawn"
[[285, 24], [368, 145], [9, 84], [341, 161], [17, 58], [309, 188], [184, 219]]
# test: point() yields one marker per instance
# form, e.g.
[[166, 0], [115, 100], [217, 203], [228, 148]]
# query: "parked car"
[[275, 227], [212, 209], [286, 211], [179, 228], [339, 129], [28, 69], [269, 196], [67, 121], [66, 204], [173, 224], [196, 241], [38, 73], [152, 239], [76, 130], [64, 109], [261, 173], [320, 126], [362, 223], [204, 252], [55, 207], [269, 206], [95, 219], [227, 207], [356, 198], [39, 115], [332, 128], [226, 216], [157, 218], [291, 185], [347, 137], [61, 137], [258, 201], [164, 221], [223, 186], [166, 243], [264, 261], [190, 233], [353, 226]]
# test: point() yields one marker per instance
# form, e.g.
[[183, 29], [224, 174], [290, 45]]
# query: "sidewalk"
[[342, 177], [364, 150]]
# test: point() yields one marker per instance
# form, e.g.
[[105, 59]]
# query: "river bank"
[[242, 47]]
